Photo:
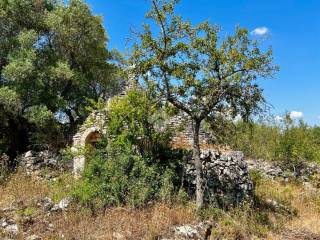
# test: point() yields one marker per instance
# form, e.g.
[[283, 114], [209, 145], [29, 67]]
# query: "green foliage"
[[298, 142], [47, 130], [135, 120], [10, 109], [259, 140], [289, 141], [197, 72], [53, 57], [134, 164], [115, 181], [10, 104]]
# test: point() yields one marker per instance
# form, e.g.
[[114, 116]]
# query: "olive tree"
[[199, 73]]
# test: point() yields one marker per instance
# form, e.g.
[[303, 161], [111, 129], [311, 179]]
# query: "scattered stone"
[[8, 209], [46, 203], [199, 231], [272, 169], [51, 227], [33, 237], [278, 206], [117, 236], [32, 162], [28, 154], [62, 205], [10, 227]]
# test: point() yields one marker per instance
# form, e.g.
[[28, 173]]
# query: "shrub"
[[297, 143], [122, 179], [133, 164]]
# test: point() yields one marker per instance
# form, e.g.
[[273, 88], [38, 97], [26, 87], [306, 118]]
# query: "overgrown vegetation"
[[289, 141], [134, 163], [198, 72], [54, 66], [257, 220]]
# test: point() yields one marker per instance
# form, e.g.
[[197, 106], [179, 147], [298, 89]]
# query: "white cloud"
[[296, 115], [318, 117], [260, 31]]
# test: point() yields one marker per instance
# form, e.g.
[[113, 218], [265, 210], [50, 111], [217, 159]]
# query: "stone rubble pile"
[[9, 227], [49, 206], [275, 169], [32, 162], [227, 180]]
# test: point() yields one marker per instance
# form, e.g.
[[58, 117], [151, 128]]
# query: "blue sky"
[[291, 27]]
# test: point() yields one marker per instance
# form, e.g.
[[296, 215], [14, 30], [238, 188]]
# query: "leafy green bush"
[[10, 109], [122, 179], [297, 143], [133, 164]]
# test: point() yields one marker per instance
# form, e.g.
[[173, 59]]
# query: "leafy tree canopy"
[[55, 55], [53, 60], [199, 73]]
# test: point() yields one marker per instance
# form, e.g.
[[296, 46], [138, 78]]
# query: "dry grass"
[[78, 223], [262, 221], [307, 204], [22, 189], [304, 200], [245, 222], [145, 223]]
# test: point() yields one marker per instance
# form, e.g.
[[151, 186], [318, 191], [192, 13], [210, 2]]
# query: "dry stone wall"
[[227, 179], [182, 125]]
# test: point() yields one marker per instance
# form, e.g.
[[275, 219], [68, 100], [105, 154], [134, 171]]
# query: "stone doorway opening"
[[92, 138]]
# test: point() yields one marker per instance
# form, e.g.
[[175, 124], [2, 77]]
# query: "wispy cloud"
[[296, 115], [260, 31]]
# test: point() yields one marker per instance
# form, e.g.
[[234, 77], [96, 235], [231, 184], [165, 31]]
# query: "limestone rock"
[[10, 227], [272, 169], [62, 205], [33, 237], [32, 162], [199, 231], [46, 203]]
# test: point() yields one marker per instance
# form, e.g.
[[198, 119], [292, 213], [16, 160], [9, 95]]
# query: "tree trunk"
[[198, 164]]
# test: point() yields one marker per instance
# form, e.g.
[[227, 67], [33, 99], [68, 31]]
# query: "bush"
[[258, 140], [122, 179], [297, 143], [133, 164]]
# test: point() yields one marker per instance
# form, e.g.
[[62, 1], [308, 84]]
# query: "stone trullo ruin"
[[226, 174]]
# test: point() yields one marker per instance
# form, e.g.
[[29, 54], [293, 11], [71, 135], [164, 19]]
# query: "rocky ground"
[[35, 204]]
